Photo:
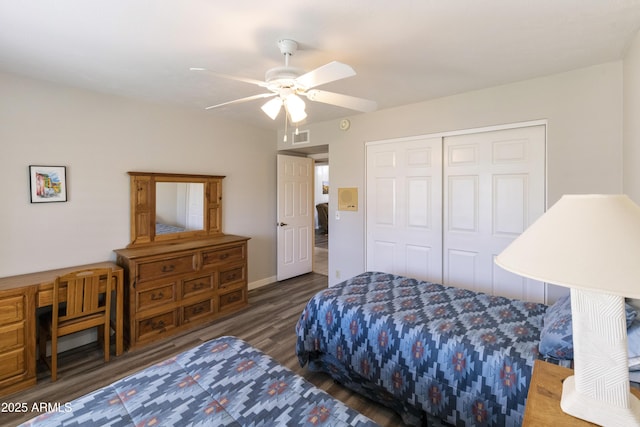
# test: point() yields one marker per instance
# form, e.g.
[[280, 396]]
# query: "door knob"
[[282, 224]]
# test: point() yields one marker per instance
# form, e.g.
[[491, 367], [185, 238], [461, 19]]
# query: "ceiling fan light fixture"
[[287, 84], [295, 107], [272, 107]]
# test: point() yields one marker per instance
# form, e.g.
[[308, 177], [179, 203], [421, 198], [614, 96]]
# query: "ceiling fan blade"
[[230, 77], [346, 101], [237, 101], [327, 73]]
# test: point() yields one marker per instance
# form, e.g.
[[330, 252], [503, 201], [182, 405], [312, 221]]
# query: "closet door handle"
[[281, 224]]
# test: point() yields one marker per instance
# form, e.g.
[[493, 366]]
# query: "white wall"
[[99, 138], [631, 159], [584, 113]]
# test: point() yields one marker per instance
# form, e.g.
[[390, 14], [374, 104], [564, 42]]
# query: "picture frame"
[[325, 187], [48, 183]]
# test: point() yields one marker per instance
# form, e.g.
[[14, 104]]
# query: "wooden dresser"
[[17, 339], [175, 286]]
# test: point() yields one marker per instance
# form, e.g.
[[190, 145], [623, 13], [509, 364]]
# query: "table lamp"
[[590, 244]]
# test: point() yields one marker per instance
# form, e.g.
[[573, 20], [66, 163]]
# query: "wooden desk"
[[543, 401], [19, 298]]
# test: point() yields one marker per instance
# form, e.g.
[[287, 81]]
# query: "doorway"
[[321, 203], [318, 243]]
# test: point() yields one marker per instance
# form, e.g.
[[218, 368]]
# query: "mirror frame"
[[143, 207]]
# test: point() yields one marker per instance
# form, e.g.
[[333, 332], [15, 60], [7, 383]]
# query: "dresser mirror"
[[179, 207], [172, 207]]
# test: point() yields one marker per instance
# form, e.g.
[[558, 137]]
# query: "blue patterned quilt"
[[428, 351], [223, 382]]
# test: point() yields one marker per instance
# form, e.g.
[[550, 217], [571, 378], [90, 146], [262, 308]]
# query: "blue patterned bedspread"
[[428, 351], [223, 382]]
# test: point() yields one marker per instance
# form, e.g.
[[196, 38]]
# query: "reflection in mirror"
[[179, 207]]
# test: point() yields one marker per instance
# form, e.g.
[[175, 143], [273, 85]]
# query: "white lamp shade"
[[588, 242], [295, 107], [272, 107]]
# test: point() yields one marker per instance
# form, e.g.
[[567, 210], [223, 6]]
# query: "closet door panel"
[[418, 259], [510, 204], [463, 203], [462, 268], [385, 206], [384, 256], [494, 188], [404, 208]]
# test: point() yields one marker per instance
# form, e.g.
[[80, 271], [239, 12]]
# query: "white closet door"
[[404, 208], [494, 188]]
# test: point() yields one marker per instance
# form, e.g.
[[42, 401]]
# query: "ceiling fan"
[[286, 85]]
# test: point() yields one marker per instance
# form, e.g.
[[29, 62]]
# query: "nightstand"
[[543, 400]]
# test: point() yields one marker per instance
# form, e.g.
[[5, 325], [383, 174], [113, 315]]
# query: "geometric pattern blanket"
[[223, 382], [428, 351]]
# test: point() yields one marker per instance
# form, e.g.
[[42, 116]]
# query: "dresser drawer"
[[156, 325], [198, 310], [231, 276], [232, 299], [226, 255], [11, 309], [11, 363], [12, 336], [166, 267], [159, 295], [196, 286]]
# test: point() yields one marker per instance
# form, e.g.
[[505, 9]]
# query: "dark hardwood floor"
[[268, 324]]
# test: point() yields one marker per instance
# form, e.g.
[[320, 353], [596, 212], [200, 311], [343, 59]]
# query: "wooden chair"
[[80, 301]]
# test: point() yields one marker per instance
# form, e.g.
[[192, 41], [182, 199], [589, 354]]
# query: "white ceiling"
[[403, 51]]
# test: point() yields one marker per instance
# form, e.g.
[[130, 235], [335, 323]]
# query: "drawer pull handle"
[[156, 297], [224, 256], [199, 286], [168, 268], [197, 310]]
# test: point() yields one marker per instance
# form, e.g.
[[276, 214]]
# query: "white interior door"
[[494, 188], [295, 216], [404, 208], [195, 203]]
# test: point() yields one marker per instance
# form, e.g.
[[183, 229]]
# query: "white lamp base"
[[599, 390], [598, 411]]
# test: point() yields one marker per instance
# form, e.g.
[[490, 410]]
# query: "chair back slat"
[[83, 293]]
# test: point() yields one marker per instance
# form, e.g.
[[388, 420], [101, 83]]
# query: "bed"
[[223, 382], [168, 229], [430, 352]]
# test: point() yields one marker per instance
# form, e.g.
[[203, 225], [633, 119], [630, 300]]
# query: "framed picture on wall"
[[48, 184]]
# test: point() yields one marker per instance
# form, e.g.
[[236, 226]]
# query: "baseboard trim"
[[262, 282]]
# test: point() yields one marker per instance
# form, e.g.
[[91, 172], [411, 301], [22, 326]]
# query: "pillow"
[[556, 337], [633, 345], [631, 313]]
